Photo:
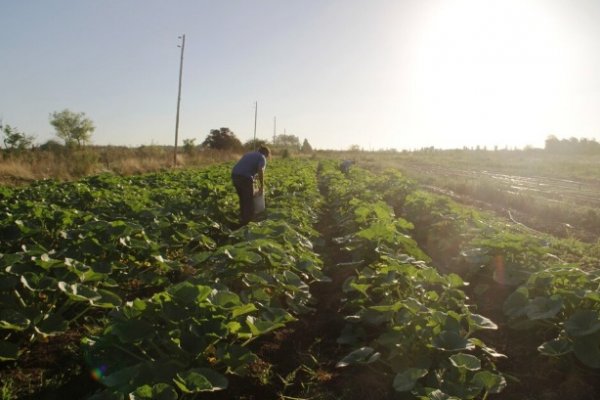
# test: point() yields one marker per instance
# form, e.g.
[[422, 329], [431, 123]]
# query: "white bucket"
[[259, 203]]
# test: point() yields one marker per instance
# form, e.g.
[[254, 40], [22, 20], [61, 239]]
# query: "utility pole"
[[178, 98], [274, 128], [255, 115]]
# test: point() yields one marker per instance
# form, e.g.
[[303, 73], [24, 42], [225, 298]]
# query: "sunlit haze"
[[378, 74]]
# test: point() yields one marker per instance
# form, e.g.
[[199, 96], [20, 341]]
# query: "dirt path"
[[302, 357]]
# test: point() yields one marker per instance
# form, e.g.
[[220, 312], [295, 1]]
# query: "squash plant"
[[564, 299], [404, 318], [187, 338], [71, 250]]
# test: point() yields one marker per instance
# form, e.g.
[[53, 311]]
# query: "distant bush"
[[222, 139], [52, 145], [252, 144], [15, 140]]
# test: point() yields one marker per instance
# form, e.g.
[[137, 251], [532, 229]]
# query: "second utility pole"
[[255, 115]]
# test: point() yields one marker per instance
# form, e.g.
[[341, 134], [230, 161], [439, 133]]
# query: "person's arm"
[[261, 180]]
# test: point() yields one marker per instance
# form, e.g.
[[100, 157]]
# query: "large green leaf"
[[225, 299], [406, 380], [10, 258], [451, 341], [490, 382], [380, 230], [160, 391], [438, 395], [46, 262], [364, 355], [13, 320], [8, 351], [200, 380], [488, 350], [480, 322], [269, 321], [122, 377], [107, 299], [133, 330], [544, 307], [587, 350], [188, 293], [79, 292], [38, 282], [243, 256], [243, 309], [237, 358], [465, 361], [583, 323], [515, 305], [52, 325], [556, 347]]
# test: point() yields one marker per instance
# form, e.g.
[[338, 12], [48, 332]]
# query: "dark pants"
[[245, 190]]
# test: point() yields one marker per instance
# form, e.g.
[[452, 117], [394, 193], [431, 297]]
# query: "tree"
[[188, 145], [306, 147], [222, 139], [72, 127], [255, 144], [14, 140], [287, 142]]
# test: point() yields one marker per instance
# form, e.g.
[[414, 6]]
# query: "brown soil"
[[50, 369]]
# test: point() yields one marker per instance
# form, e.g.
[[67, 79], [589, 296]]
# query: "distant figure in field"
[[243, 175], [345, 166]]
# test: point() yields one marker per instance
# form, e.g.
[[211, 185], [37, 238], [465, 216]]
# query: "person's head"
[[265, 151]]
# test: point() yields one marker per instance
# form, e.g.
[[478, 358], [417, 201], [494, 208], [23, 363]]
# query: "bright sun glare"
[[489, 72]]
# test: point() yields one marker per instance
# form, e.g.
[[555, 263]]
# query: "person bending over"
[[243, 175]]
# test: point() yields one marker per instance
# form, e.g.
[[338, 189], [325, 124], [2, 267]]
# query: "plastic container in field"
[[259, 203]]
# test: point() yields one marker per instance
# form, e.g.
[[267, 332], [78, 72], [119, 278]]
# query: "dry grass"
[[69, 164], [136, 165], [65, 164], [15, 169]]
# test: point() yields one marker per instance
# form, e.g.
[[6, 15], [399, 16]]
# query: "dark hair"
[[265, 151]]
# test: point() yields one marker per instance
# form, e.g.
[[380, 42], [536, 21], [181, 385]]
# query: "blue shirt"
[[250, 164]]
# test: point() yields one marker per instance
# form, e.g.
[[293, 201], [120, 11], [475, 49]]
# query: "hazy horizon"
[[379, 74]]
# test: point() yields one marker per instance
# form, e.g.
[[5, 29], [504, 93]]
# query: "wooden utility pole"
[[255, 115], [178, 98], [274, 128]]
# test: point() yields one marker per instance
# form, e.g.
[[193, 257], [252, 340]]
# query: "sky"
[[379, 74]]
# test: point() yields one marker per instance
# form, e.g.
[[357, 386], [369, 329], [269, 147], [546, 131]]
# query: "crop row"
[[197, 331], [71, 251], [547, 286], [406, 320], [552, 289], [170, 296]]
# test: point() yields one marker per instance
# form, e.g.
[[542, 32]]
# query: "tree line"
[[571, 146], [225, 139], [75, 130]]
